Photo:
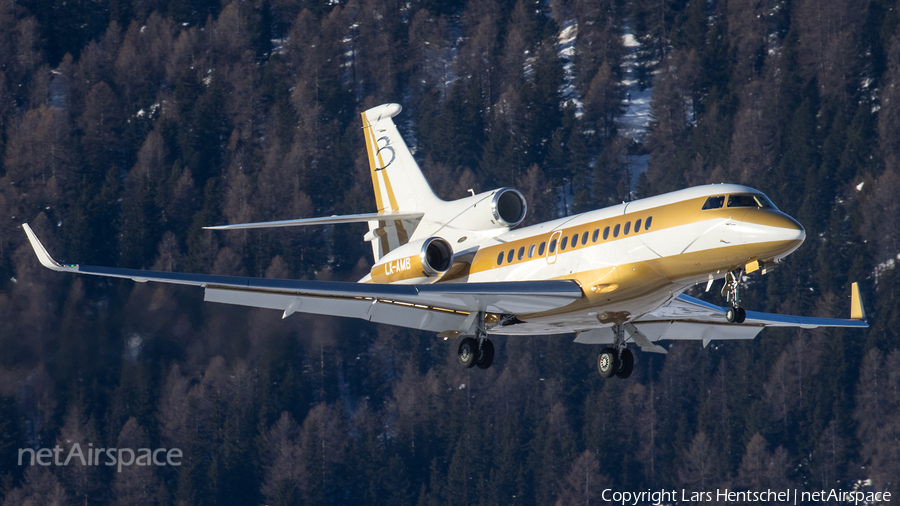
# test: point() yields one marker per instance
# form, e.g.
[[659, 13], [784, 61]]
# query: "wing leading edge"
[[437, 307], [328, 220]]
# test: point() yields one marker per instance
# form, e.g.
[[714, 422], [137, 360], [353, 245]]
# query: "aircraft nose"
[[768, 233], [785, 228]]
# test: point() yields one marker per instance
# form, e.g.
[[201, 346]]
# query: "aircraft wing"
[[328, 220], [685, 308], [691, 319], [438, 308]]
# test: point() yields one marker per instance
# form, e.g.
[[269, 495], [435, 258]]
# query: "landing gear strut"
[[478, 350], [617, 361], [731, 292]]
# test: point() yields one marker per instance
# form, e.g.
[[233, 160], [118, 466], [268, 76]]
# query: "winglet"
[[41, 252], [857, 311]]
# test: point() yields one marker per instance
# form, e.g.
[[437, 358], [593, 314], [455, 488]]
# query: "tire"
[[485, 356], [741, 316], [468, 349], [608, 362], [731, 314], [626, 364]]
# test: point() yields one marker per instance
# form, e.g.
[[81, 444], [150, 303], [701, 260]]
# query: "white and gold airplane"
[[613, 276]]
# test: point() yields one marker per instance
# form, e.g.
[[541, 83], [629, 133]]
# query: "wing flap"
[[373, 310]]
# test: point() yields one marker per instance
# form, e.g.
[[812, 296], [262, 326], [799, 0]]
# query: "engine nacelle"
[[422, 261], [508, 207], [500, 208]]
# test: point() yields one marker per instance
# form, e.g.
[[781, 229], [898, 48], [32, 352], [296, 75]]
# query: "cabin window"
[[500, 258], [637, 226], [616, 230], [521, 253], [742, 201], [574, 240], [552, 245], [541, 249], [596, 234], [627, 227], [509, 256], [647, 223], [606, 233], [714, 202], [584, 238], [565, 241], [531, 251]]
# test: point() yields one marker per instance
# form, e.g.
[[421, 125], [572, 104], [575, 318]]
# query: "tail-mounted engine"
[[422, 261], [495, 209], [508, 207]]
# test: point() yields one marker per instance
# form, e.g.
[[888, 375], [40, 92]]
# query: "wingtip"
[[857, 310], [41, 252]]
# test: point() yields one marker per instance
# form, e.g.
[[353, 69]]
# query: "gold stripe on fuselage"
[[653, 280], [663, 217]]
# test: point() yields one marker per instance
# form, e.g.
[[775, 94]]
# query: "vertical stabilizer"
[[396, 177]]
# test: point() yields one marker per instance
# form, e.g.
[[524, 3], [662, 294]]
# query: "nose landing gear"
[[731, 292]]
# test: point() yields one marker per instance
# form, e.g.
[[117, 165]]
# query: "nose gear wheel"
[[731, 291]]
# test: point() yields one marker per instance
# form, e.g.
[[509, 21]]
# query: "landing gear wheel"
[[608, 362], [468, 350], [741, 316], [626, 364], [485, 356], [731, 315]]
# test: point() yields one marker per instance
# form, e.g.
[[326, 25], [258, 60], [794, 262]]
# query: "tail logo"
[[387, 146]]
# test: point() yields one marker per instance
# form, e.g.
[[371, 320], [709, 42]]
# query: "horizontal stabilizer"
[[327, 220]]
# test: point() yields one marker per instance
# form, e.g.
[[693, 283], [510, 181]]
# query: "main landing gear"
[[617, 361], [731, 291], [477, 351]]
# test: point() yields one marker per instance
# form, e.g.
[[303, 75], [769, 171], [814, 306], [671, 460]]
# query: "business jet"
[[612, 277]]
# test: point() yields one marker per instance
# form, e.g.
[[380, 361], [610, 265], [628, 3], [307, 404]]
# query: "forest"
[[125, 127]]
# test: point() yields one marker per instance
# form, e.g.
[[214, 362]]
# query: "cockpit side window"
[[715, 202], [740, 200]]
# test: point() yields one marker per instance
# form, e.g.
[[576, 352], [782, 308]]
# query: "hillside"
[[125, 127]]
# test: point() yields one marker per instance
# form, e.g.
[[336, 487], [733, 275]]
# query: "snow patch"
[[566, 51], [152, 111], [278, 45], [885, 266], [633, 123]]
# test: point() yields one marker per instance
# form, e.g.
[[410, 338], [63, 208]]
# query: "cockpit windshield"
[[749, 200], [739, 200]]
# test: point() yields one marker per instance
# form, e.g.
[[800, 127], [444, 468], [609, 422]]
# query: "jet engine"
[[495, 209], [508, 207], [422, 261]]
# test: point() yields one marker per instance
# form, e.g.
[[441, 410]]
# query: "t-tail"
[[410, 220], [400, 188]]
